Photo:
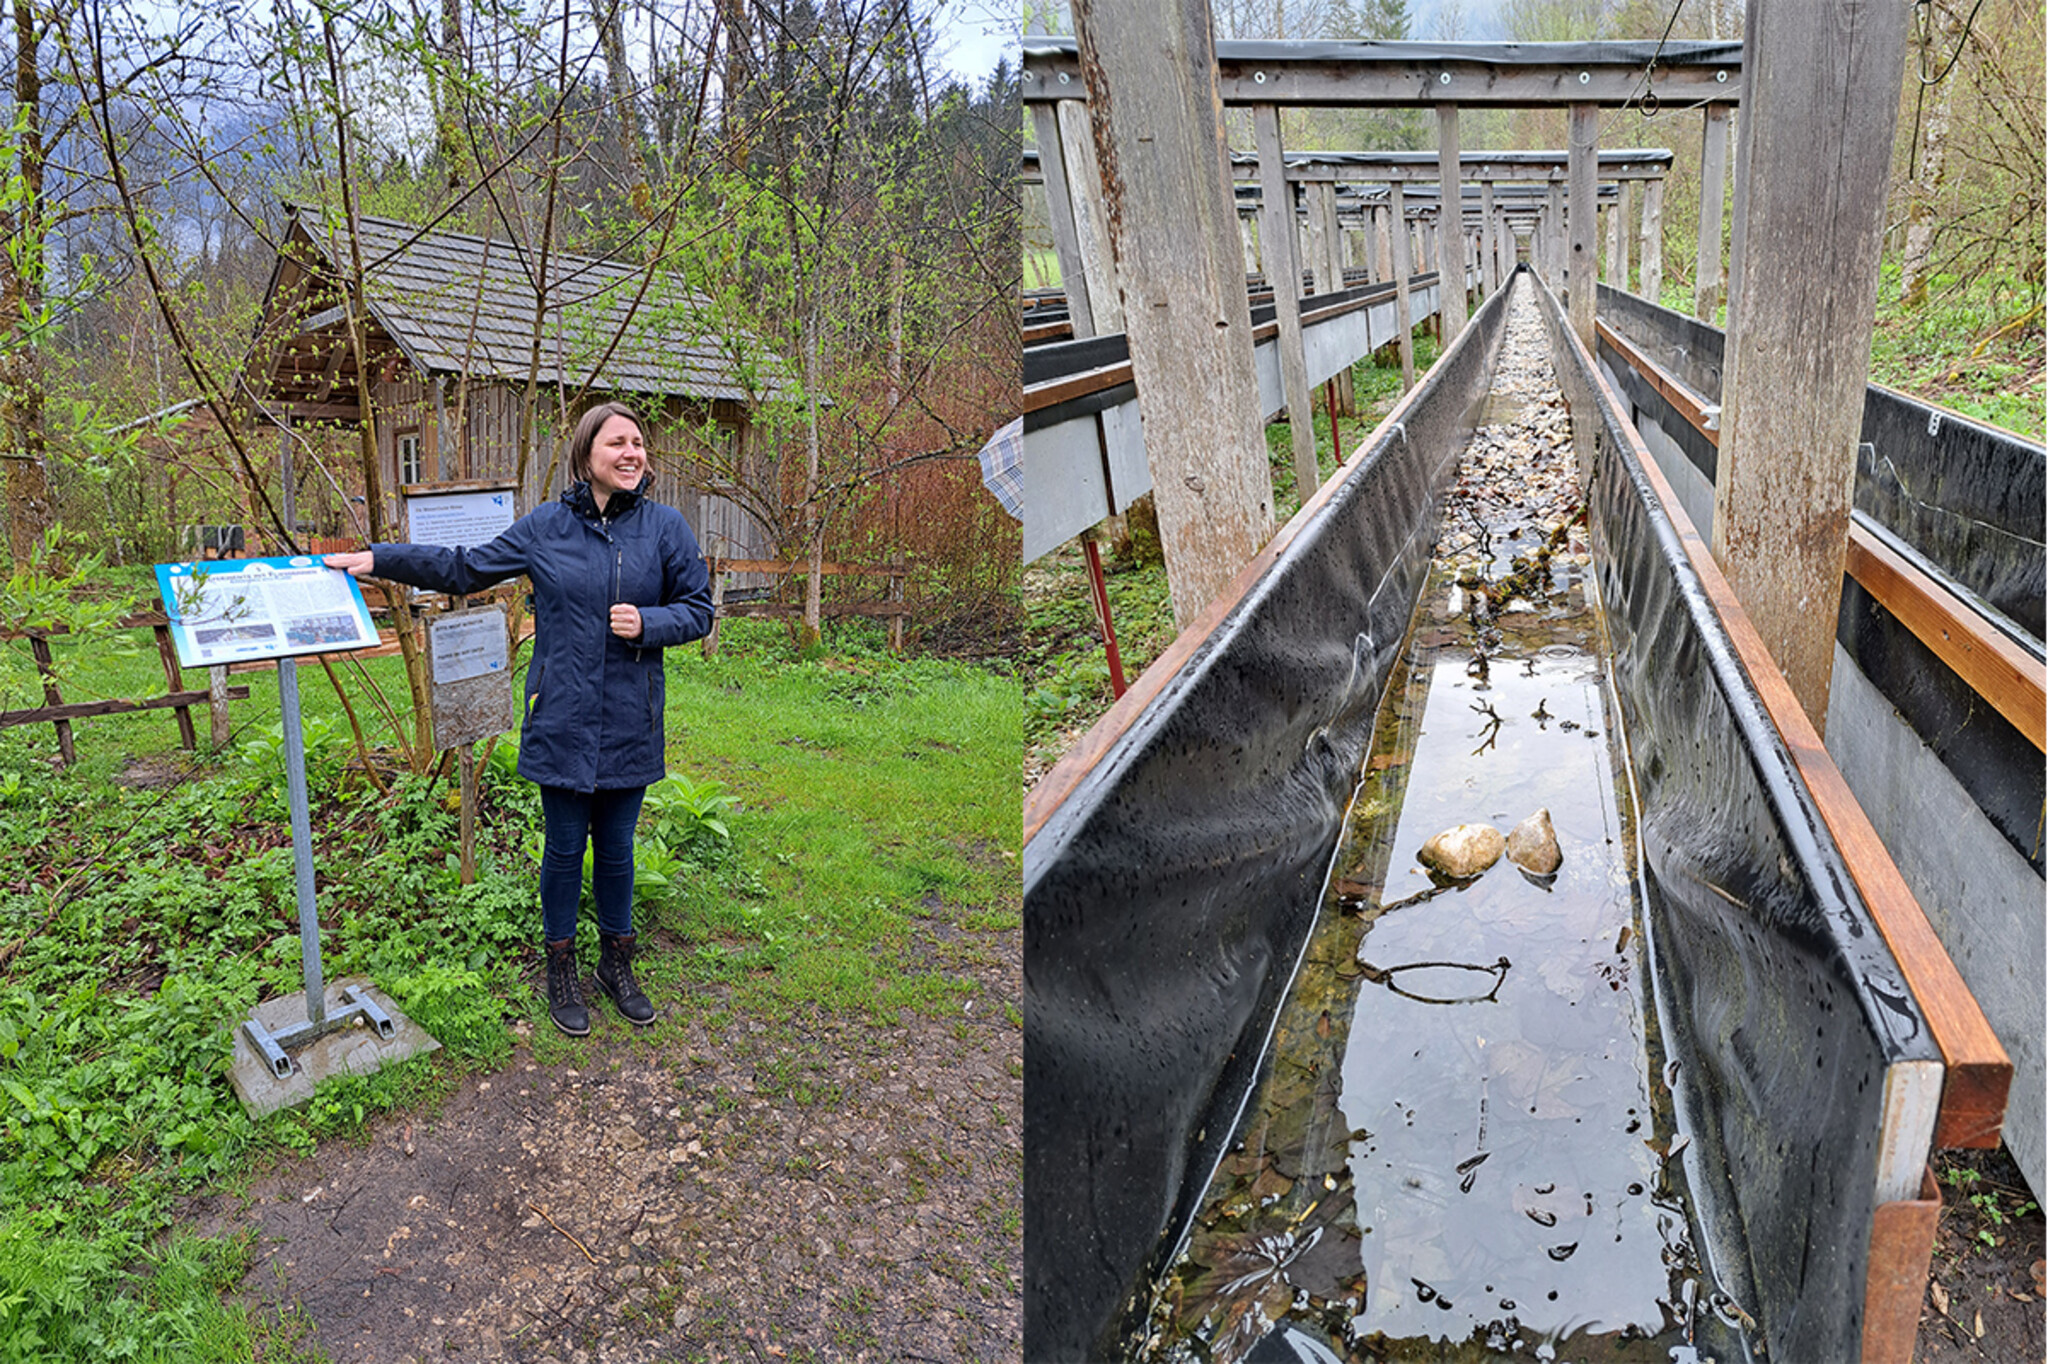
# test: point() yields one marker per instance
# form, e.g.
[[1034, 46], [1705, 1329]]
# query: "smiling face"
[[618, 458]]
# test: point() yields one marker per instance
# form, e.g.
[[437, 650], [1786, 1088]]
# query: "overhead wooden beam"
[[1386, 75], [1173, 224], [1815, 146]]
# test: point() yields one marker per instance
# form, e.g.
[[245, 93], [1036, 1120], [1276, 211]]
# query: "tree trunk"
[[1925, 188], [22, 432], [814, 523]]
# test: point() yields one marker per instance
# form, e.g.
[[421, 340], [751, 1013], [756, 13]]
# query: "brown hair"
[[586, 435]]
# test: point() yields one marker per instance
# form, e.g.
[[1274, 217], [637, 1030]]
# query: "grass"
[[1957, 350], [869, 791]]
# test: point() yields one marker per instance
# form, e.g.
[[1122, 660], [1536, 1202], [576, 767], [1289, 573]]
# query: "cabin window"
[[409, 458]]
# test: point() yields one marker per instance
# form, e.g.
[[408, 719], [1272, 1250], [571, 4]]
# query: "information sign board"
[[457, 518], [471, 670], [236, 610]]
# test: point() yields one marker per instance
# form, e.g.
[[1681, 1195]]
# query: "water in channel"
[[1464, 1145]]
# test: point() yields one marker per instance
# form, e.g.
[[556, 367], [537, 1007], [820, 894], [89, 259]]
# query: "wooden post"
[[1624, 213], [1583, 195], [1815, 142], [218, 729], [1554, 236], [1155, 105], [1052, 163], [710, 645], [1084, 192], [1283, 270], [1382, 245], [1653, 241], [1404, 316], [168, 652], [1706, 285], [1489, 241], [465, 759], [40, 647], [1451, 220], [1251, 244], [1330, 280], [898, 570], [1610, 228]]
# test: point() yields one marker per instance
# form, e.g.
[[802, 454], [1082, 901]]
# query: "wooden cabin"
[[450, 342]]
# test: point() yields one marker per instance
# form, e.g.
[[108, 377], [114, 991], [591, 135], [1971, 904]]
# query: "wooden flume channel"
[[1974, 1069]]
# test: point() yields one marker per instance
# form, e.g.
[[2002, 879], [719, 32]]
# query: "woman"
[[616, 578]]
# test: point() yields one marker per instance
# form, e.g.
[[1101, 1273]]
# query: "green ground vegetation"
[[819, 800], [1960, 349]]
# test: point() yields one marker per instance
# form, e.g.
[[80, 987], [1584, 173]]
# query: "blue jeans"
[[605, 820]]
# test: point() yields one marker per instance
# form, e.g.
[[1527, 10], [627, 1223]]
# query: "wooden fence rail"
[[59, 713]]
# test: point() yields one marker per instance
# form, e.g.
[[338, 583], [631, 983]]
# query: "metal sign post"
[[355, 1000]]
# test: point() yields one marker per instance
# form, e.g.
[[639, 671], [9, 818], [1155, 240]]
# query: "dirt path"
[[829, 1189]]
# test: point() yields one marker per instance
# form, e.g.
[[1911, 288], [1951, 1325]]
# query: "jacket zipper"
[[604, 524]]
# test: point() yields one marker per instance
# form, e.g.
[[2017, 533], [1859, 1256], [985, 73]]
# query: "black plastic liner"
[[1971, 499], [1781, 1001], [1167, 899]]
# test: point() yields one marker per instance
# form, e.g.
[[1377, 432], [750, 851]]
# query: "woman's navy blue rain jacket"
[[593, 700]]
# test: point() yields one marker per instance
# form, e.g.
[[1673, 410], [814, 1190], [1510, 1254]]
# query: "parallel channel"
[[1464, 1144]]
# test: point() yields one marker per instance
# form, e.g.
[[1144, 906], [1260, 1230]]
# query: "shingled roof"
[[452, 303]]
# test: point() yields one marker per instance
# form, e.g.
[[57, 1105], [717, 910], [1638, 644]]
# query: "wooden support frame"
[[1387, 74]]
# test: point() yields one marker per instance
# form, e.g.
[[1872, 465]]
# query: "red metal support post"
[[1100, 588]]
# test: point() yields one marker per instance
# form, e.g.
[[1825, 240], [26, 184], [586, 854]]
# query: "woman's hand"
[[359, 563], [626, 621]]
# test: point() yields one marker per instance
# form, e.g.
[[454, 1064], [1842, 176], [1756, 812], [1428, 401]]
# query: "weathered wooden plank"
[[1379, 75], [1582, 223], [66, 712], [2012, 680], [1489, 230], [1283, 269], [1174, 223], [1706, 289], [1624, 213], [1066, 245], [1817, 154]]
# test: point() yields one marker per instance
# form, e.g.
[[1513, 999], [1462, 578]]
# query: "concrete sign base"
[[353, 1050]]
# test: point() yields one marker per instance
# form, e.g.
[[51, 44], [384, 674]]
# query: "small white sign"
[[471, 644], [458, 519]]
